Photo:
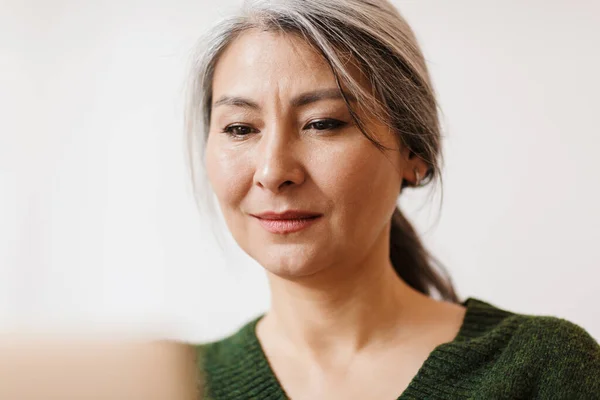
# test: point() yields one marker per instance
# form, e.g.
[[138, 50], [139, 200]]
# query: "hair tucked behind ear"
[[367, 34]]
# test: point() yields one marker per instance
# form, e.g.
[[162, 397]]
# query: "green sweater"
[[497, 354]]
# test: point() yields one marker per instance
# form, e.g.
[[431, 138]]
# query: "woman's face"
[[281, 139]]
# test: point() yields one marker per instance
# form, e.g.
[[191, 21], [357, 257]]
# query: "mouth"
[[287, 222]]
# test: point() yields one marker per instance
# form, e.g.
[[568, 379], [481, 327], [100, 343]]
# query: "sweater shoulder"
[[566, 355], [543, 356], [557, 333], [229, 350], [536, 332], [560, 344], [483, 317], [235, 367], [528, 356]]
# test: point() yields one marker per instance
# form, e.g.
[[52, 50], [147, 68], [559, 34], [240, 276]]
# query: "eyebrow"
[[298, 101]]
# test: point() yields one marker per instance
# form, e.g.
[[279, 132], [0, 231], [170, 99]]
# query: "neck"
[[343, 308]]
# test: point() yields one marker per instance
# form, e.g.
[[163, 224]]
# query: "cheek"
[[227, 174], [360, 180]]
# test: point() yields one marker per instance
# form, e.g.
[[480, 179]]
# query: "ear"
[[412, 164]]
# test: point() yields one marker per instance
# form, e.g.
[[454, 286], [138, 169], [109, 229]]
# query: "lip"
[[289, 214], [287, 222]]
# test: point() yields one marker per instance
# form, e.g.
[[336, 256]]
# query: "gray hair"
[[370, 35]]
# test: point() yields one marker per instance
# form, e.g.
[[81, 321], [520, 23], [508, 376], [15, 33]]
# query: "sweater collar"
[[255, 377]]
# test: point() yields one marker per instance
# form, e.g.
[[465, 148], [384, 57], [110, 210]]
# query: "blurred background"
[[98, 225]]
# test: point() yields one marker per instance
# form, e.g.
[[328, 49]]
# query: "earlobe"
[[415, 171], [417, 177], [413, 179]]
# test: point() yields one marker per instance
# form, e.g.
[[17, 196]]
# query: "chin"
[[289, 263]]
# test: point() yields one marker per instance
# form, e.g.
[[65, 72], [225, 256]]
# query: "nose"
[[278, 162]]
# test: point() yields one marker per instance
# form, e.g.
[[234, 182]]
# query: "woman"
[[310, 118]]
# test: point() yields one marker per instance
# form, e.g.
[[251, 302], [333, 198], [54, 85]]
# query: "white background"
[[97, 220]]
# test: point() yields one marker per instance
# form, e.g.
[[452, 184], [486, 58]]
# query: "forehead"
[[262, 61]]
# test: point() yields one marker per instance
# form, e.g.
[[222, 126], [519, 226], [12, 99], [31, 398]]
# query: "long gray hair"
[[369, 35]]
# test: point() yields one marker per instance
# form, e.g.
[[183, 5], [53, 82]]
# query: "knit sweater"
[[497, 354]]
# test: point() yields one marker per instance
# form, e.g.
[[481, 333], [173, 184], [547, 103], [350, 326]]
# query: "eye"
[[325, 124], [239, 131]]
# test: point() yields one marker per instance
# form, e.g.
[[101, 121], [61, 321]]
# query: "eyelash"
[[337, 124]]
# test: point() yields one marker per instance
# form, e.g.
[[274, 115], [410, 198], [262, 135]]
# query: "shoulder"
[[227, 365], [558, 341], [228, 350], [235, 367], [567, 354], [483, 318], [537, 333], [556, 333], [559, 355]]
